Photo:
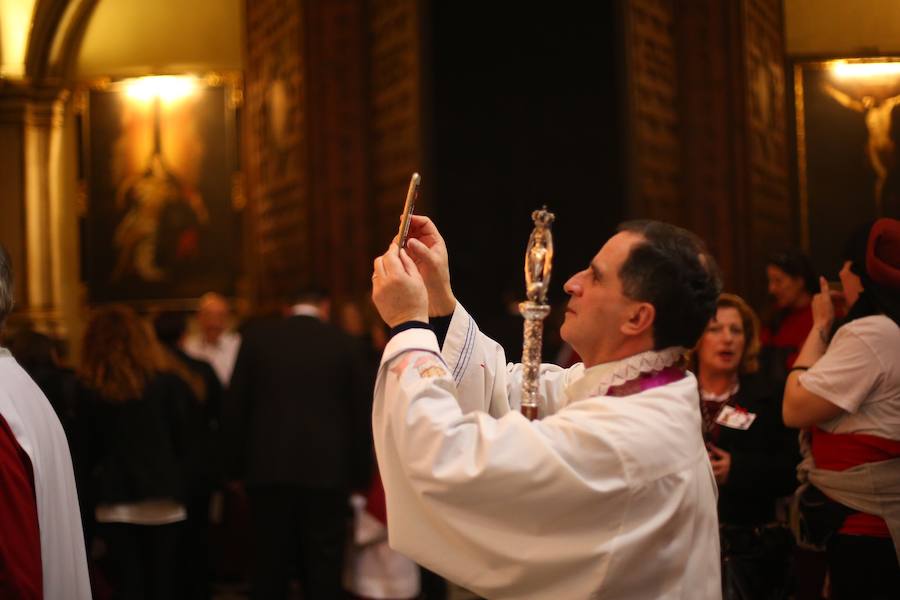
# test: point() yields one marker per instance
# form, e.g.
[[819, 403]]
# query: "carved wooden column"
[[333, 131], [653, 146], [340, 198], [275, 145], [708, 114], [768, 213], [397, 107], [707, 128], [13, 103]]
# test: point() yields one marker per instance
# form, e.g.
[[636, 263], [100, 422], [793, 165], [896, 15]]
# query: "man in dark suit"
[[298, 431]]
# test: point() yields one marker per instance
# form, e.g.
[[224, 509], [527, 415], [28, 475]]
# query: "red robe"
[[20, 543]]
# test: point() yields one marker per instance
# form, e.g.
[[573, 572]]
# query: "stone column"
[[38, 224]]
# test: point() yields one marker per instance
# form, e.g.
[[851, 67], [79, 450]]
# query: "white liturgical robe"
[[603, 497], [38, 431]]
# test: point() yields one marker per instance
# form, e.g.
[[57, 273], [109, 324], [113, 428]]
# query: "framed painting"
[[163, 192], [848, 149]]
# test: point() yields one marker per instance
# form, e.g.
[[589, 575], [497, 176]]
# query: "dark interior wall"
[[526, 113]]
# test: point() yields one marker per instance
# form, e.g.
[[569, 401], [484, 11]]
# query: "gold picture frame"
[[161, 188], [848, 164]]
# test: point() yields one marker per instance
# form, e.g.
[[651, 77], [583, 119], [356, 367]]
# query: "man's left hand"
[[397, 288], [721, 463]]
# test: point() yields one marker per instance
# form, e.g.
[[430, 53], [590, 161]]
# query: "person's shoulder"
[[340, 337], [194, 364], [167, 382], [879, 323], [258, 327], [16, 378], [877, 331]]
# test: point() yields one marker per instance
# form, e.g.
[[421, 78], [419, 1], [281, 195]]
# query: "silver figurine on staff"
[[538, 265]]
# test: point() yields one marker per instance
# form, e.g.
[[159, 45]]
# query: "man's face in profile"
[[597, 306]]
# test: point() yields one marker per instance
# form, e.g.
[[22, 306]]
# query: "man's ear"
[[640, 319]]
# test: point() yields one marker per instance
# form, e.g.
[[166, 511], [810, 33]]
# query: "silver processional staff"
[[538, 265]]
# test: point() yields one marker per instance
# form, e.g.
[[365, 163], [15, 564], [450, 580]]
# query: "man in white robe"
[[610, 494], [40, 435]]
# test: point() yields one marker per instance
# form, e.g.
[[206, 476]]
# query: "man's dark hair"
[[672, 270], [6, 286]]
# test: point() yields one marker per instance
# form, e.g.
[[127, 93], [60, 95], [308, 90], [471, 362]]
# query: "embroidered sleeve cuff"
[[415, 338]]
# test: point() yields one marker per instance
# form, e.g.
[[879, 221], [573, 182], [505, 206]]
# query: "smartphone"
[[409, 207]]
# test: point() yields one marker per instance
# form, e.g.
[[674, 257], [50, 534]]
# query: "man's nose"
[[572, 287]]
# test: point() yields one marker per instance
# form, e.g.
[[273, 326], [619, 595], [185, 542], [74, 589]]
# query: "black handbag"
[[756, 562], [819, 517]]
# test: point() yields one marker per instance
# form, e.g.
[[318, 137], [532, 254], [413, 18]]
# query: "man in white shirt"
[[610, 494], [214, 343]]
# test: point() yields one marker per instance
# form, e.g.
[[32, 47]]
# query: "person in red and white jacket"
[[42, 552], [845, 390]]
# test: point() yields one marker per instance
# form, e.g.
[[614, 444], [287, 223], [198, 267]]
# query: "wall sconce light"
[[843, 69], [168, 88]]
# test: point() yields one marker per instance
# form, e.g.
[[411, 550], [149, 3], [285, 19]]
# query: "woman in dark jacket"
[[752, 454], [135, 421]]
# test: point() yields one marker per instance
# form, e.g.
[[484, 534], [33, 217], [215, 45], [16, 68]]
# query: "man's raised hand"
[[398, 290], [429, 252]]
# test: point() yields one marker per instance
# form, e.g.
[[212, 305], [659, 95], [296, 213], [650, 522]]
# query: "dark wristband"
[[408, 325], [797, 368]]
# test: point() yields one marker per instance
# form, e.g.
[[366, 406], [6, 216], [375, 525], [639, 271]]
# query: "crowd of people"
[[694, 451]]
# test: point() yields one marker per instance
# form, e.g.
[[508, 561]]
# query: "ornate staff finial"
[[539, 257], [538, 268]]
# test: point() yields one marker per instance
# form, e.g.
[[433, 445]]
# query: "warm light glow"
[[15, 27], [849, 70], [167, 88]]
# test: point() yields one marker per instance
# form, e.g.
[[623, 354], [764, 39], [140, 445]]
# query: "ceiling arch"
[[83, 39]]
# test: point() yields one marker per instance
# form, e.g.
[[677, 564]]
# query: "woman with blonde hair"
[[753, 455], [134, 423]]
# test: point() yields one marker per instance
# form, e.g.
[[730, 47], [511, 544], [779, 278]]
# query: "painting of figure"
[[848, 126], [161, 222]]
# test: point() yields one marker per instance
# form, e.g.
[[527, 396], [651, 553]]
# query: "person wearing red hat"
[[844, 390]]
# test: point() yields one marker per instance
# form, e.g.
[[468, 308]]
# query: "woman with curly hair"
[[752, 454], [135, 415]]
